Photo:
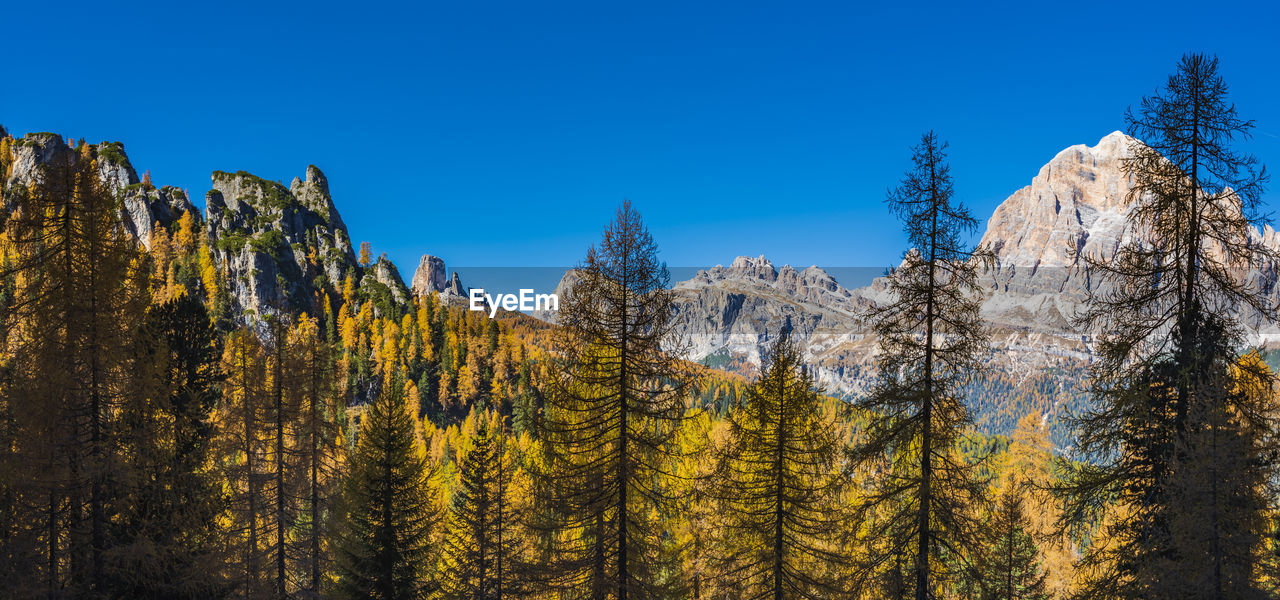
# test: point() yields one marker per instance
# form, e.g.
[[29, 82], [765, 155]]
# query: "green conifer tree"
[[390, 506], [480, 555], [1009, 565]]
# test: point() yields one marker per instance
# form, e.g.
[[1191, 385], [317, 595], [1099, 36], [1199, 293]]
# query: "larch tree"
[[366, 254], [1221, 488], [1169, 322], [931, 342], [169, 497], [1269, 559], [79, 293], [697, 511], [243, 451], [282, 479], [317, 391], [780, 483], [610, 418], [1028, 463]]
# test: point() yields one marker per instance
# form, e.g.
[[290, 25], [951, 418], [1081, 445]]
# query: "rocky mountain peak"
[[1077, 203], [317, 179], [34, 151], [1078, 199], [279, 244], [430, 276], [815, 276], [745, 267], [759, 272], [146, 207], [455, 287], [385, 272], [313, 193], [283, 248]]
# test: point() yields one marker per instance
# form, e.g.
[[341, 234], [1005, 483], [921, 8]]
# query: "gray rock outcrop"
[[280, 245], [430, 276], [1077, 205], [145, 208]]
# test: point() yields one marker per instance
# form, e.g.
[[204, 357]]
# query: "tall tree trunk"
[[95, 347], [315, 487], [277, 392], [779, 513], [623, 475], [926, 443]]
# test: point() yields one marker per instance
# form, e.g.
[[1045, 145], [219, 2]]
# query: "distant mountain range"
[[284, 248], [1077, 205]]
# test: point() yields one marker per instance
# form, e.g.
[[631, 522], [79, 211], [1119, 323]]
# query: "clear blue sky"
[[505, 133]]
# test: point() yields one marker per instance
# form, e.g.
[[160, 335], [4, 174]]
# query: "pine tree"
[[480, 559], [931, 340], [390, 505], [609, 422], [1168, 324], [781, 486]]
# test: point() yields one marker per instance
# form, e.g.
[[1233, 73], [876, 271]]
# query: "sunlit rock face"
[[1032, 293], [145, 208], [1076, 206], [281, 246], [431, 276]]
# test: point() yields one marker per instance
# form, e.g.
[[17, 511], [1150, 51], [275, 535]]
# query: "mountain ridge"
[[1076, 205], [286, 248]]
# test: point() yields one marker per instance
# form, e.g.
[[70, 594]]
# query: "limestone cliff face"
[[430, 277], [145, 209], [280, 246], [1078, 201], [736, 311], [1077, 205]]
